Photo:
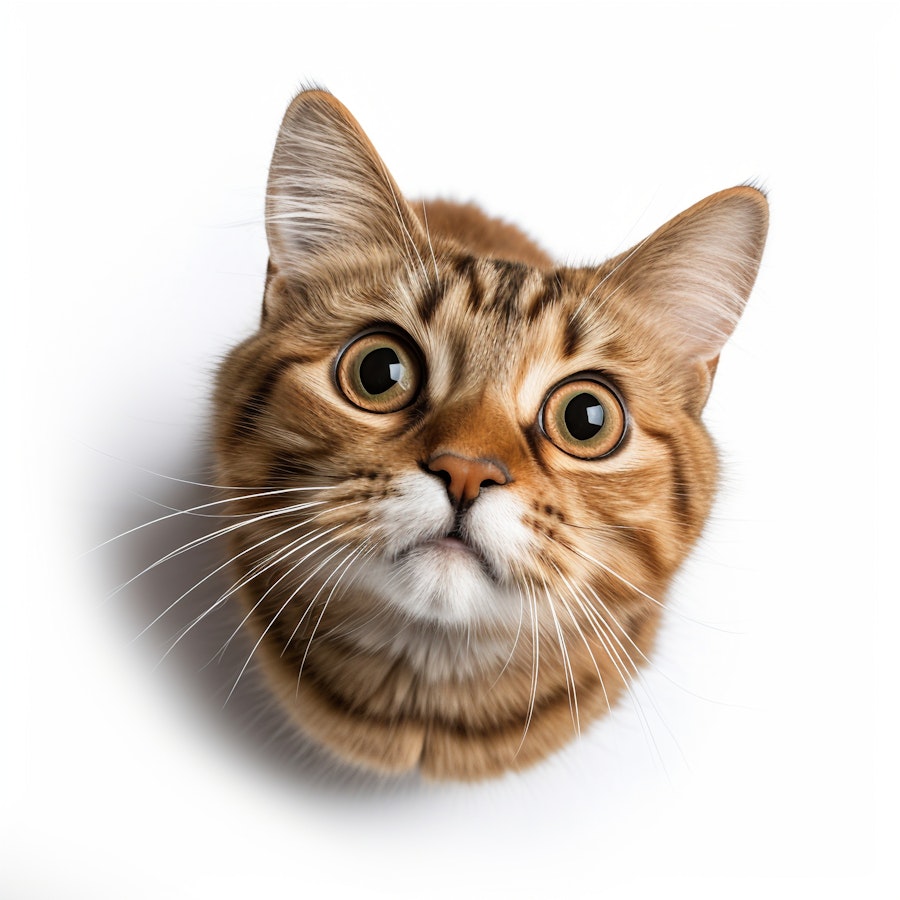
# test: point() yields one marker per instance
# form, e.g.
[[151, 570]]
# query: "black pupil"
[[380, 370], [584, 416]]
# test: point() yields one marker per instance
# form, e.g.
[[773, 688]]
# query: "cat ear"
[[692, 277], [331, 203]]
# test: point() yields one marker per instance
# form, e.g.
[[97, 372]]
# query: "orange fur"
[[479, 234], [397, 630]]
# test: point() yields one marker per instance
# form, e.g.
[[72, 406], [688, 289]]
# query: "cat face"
[[467, 475]]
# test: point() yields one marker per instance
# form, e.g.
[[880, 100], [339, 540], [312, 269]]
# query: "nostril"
[[465, 476]]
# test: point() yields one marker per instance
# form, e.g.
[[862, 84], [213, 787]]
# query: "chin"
[[447, 584]]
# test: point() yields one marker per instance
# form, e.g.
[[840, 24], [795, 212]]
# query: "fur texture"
[[463, 582]]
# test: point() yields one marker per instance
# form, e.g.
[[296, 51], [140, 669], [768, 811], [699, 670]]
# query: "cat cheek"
[[497, 527], [416, 510]]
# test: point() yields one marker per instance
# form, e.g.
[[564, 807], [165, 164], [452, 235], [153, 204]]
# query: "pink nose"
[[465, 476]]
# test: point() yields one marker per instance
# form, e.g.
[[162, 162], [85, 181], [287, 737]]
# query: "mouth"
[[455, 546], [453, 543]]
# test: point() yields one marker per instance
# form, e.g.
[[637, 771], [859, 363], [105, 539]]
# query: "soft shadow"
[[170, 604]]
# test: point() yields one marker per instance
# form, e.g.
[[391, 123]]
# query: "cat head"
[[455, 439]]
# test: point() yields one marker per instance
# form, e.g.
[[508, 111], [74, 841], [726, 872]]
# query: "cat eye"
[[379, 372], [584, 417]]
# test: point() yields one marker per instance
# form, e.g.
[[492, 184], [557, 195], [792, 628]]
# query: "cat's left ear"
[[331, 203], [691, 278]]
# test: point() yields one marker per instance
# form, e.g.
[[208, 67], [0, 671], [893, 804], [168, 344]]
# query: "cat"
[[464, 475]]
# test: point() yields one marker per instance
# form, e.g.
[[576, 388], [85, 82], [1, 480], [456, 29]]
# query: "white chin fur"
[[447, 586], [431, 580]]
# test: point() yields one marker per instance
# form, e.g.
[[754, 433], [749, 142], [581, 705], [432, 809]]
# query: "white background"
[[137, 254]]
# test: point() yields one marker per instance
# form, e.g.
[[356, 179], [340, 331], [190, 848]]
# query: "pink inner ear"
[[693, 276], [329, 193]]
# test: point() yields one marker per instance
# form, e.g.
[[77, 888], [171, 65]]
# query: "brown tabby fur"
[[392, 686]]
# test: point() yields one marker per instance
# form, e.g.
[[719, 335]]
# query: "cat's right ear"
[[331, 204]]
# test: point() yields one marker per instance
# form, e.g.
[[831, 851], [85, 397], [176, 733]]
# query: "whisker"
[[614, 620], [314, 630], [191, 545], [284, 606], [567, 668], [616, 661], [309, 539], [192, 510], [219, 602], [220, 487], [266, 564], [669, 608], [255, 571], [412, 244], [535, 660], [352, 555], [437, 276], [515, 641], [345, 562], [607, 637], [609, 275], [586, 643]]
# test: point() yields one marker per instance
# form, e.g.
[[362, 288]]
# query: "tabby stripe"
[[534, 438], [466, 271], [430, 301], [355, 708], [571, 337], [510, 277], [253, 407], [644, 546], [681, 499], [459, 359], [550, 294], [287, 468]]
